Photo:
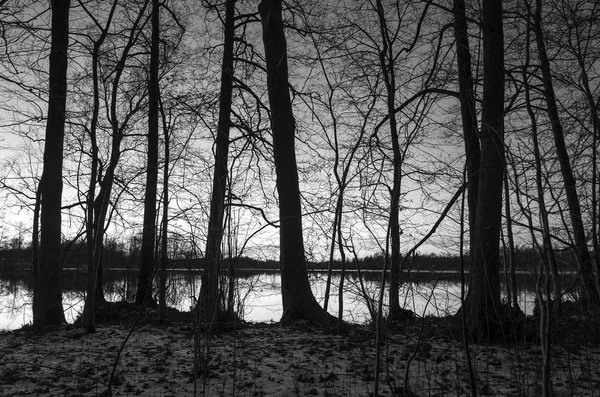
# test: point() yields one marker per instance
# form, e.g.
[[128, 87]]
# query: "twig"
[[419, 340], [112, 374], [463, 314]]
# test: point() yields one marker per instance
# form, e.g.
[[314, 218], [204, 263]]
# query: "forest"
[[361, 155]]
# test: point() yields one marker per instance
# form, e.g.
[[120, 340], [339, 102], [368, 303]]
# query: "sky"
[[17, 216], [426, 194]]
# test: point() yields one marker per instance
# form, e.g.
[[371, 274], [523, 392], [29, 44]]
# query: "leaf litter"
[[276, 360]]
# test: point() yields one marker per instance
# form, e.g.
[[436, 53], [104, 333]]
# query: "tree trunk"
[[102, 200], [468, 113], [580, 52], [590, 288], [144, 291], [386, 63], [548, 251], [337, 213], [342, 275], [35, 236], [298, 300], [509, 257], [162, 289], [89, 310], [483, 299], [47, 294], [117, 130], [208, 300], [595, 175]]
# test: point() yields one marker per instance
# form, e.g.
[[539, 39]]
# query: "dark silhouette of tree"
[[342, 136], [590, 286], [581, 22], [387, 64], [468, 111], [164, 259], [89, 312], [298, 300], [209, 290], [483, 299], [47, 293], [147, 262], [548, 258], [104, 175], [388, 56]]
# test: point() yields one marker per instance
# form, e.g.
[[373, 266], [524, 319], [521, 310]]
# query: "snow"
[[275, 360]]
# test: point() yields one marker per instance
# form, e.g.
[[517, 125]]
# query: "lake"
[[258, 294]]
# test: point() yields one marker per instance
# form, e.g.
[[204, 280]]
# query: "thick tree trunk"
[[483, 299], [590, 287], [147, 263], [209, 289], [47, 295], [298, 300], [468, 113]]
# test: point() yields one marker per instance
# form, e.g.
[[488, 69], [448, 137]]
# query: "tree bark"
[[590, 288], [483, 299], [386, 63], [47, 295], [548, 257], [509, 257], [147, 263], [468, 113], [162, 289], [102, 200], [35, 236], [89, 309], [209, 289], [298, 300]]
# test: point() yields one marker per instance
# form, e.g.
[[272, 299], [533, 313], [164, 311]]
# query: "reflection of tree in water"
[[257, 294], [15, 296]]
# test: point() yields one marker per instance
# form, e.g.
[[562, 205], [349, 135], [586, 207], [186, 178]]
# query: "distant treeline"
[[116, 256]]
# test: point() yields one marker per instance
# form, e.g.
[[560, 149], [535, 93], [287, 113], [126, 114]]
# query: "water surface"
[[257, 297]]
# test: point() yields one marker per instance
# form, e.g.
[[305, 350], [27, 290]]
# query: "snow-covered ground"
[[276, 360]]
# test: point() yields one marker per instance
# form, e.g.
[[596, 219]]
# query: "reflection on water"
[[258, 296]]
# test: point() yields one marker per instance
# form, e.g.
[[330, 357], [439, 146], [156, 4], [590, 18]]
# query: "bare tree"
[[590, 286], [388, 56], [105, 176], [468, 111], [571, 31], [582, 45], [548, 251], [147, 260], [164, 252], [89, 314], [298, 300], [209, 289], [341, 123], [47, 293], [483, 299]]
